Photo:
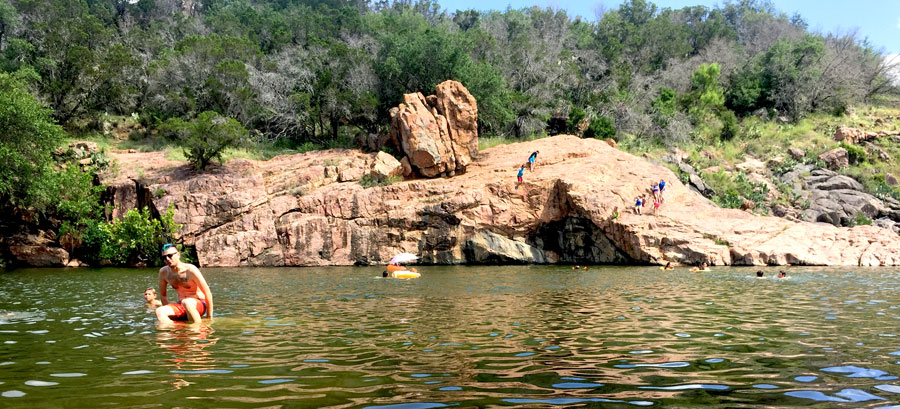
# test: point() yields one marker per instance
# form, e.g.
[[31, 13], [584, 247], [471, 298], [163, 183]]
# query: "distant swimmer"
[[668, 266], [150, 297], [194, 297], [782, 274], [759, 274], [703, 267]]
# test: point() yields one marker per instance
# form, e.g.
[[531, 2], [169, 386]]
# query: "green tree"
[[28, 138], [206, 137]]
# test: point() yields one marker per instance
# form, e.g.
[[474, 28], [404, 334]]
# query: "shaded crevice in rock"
[[145, 199], [577, 240]]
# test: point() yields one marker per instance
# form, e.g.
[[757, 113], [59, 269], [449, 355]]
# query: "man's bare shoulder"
[[164, 270], [192, 268]]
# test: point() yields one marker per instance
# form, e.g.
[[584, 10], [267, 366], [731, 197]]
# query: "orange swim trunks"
[[181, 312]]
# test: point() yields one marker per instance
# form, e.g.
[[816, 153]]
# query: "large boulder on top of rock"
[[836, 158], [456, 104], [438, 133]]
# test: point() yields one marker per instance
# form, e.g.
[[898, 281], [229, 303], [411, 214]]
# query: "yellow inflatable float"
[[396, 271]]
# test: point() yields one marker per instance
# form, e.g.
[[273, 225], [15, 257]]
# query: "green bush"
[[206, 137], [371, 180], [859, 220], [136, 238], [730, 126], [600, 128], [575, 117], [731, 188], [855, 154]]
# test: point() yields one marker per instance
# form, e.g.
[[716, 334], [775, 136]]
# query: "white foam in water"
[[10, 342], [39, 331], [68, 375], [40, 383], [81, 346], [12, 394], [138, 372]]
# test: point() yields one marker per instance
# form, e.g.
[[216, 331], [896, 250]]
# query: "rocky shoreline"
[[310, 210]]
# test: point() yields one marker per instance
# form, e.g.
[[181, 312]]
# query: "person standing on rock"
[[637, 205], [531, 160], [655, 190], [519, 176], [194, 297], [662, 190]]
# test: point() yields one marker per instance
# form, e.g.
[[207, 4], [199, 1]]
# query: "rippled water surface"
[[458, 336]]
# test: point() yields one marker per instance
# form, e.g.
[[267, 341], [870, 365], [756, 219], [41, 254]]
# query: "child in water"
[[150, 297]]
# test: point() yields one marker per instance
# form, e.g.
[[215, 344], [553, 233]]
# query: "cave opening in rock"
[[577, 240]]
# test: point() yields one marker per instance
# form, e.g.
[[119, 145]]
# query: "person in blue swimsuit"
[[638, 203], [519, 176], [531, 160], [662, 190]]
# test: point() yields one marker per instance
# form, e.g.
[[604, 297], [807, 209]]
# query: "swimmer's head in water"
[[149, 294], [759, 273], [782, 274], [384, 273]]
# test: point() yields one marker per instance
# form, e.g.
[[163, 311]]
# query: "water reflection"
[[459, 336], [188, 352]]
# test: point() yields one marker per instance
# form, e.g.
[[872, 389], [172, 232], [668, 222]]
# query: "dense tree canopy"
[[325, 71]]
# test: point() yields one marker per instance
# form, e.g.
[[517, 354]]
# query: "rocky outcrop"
[[306, 209], [438, 133], [837, 199], [38, 251], [853, 135]]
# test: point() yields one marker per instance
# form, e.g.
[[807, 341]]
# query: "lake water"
[[459, 337]]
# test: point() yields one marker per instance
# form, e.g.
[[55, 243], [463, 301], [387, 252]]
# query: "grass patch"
[[370, 180], [716, 240]]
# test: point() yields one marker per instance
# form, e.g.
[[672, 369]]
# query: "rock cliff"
[[310, 209]]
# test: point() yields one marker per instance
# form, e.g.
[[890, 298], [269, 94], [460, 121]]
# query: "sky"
[[877, 20]]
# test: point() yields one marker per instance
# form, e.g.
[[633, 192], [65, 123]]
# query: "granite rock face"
[[438, 133], [307, 209]]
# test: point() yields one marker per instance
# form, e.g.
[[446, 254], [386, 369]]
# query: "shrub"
[[600, 128], [859, 220], [136, 238], [855, 154], [205, 138], [575, 117], [730, 126], [372, 180]]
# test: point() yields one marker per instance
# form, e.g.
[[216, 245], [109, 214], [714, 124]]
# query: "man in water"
[[194, 296]]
